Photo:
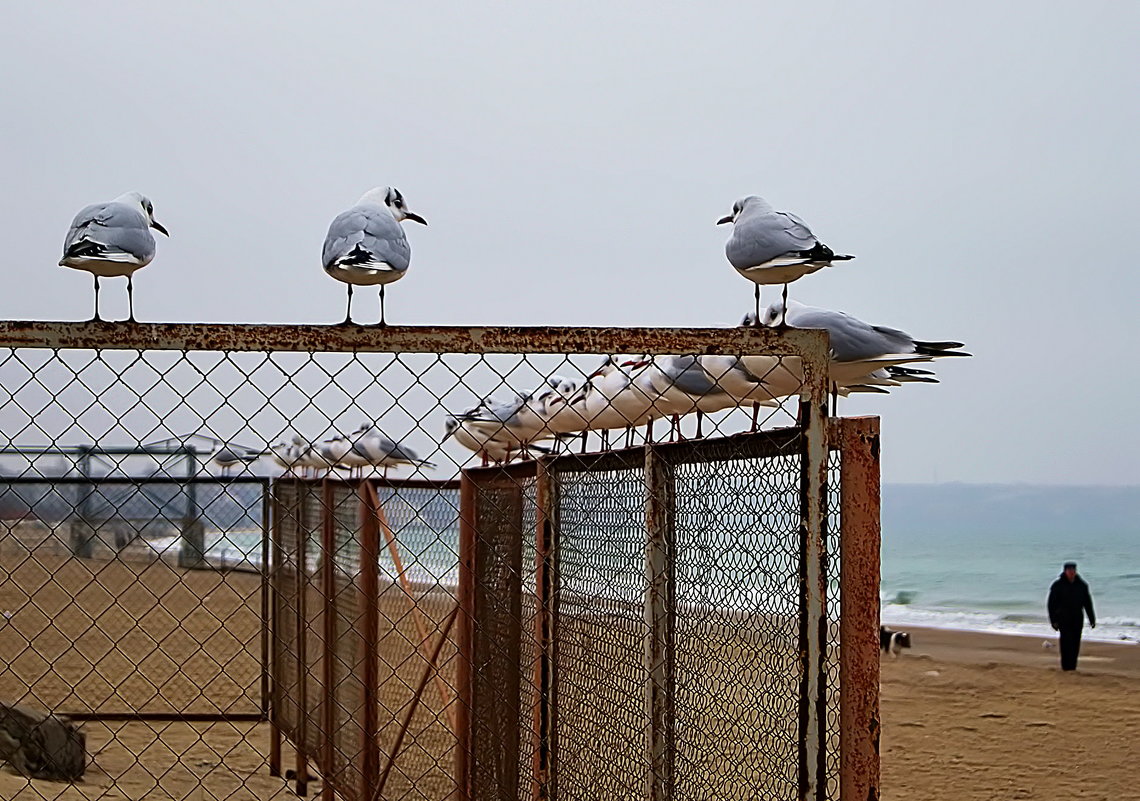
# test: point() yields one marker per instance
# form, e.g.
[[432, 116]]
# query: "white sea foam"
[[1109, 629]]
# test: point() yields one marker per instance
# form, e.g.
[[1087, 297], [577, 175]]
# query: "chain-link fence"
[[586, 576]]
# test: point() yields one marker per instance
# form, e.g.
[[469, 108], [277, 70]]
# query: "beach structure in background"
[[395, 626], [143, 502]]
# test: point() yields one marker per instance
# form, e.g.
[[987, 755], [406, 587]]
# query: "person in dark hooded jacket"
[[1069, 601]]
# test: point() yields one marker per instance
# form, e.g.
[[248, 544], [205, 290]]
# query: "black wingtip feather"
[[940, 349], [84, 247], [358, 255]]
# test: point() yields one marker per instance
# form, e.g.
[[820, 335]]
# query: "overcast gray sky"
[[980, 160]]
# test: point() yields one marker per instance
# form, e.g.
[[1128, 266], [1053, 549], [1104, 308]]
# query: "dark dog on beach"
[[893, 642]]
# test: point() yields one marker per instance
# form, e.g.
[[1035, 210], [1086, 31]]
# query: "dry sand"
[[965, 716], [983, 716]]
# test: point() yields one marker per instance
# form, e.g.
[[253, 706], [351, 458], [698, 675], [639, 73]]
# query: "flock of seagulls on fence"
[[628, 393], [366, 246], [364, 450]]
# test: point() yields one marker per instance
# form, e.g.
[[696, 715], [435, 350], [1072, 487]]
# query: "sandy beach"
[[971, 716], [965, 716]]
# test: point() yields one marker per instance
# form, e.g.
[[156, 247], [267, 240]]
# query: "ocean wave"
[[1109, 629]]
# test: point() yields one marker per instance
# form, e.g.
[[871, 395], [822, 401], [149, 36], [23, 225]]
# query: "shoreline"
[[990, 649]]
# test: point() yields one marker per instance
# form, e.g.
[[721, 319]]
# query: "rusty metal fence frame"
[[318, 712], [494, 537], [810, 347]]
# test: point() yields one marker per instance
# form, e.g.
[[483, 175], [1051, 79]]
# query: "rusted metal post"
[[546, 506], [659, 620], [859, 727], [813, 581], [496, 632], [370, 636], [328, 644], [302, 745], [271, 572], [464, 666]]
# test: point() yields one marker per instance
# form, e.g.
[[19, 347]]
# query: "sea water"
[[999, 581], [943, 565]]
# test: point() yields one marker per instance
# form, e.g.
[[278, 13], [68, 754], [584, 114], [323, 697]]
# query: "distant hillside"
[[1010, 508]]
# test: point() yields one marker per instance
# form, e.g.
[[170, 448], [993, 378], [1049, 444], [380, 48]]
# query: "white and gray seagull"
[[374, 448], [773, 247], [863, 355], [111, 240], [229, 456], [366, 246]]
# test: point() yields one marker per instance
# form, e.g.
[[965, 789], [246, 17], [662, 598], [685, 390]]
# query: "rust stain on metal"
[[545, 536], [465, 640], [369, 602], [301, 766], [808, 344], [328, 644], [857, 439], [659, 619]]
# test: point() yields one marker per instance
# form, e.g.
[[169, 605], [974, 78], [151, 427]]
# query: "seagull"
[[309, 456], [336, 450], [863, 354], [609, 399], [732, 374], [495, 430], [227, 457], [113, 239], [366, 244], [476, 440], [380, 451], [679, 385], [773, 247], [285, 455], [515, 422], [551, 403]]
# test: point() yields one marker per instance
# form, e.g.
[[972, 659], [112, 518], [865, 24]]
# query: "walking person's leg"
[[1070, 646]]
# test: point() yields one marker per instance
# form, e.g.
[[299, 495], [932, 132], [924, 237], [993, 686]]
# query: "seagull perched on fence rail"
[[228, 457], [366, 245], [370, 447], [862, 355], [773, 247], [111, 240]]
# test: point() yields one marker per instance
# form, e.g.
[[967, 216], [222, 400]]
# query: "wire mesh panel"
[[682, 621], [834, 610], [738, 660], [599, 671]]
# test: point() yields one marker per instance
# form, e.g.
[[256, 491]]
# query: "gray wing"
[[691, 377], [402, 453], [851, 338], [760, 235], [107, 230], [366, 233], [496, 411], [361, 450]]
